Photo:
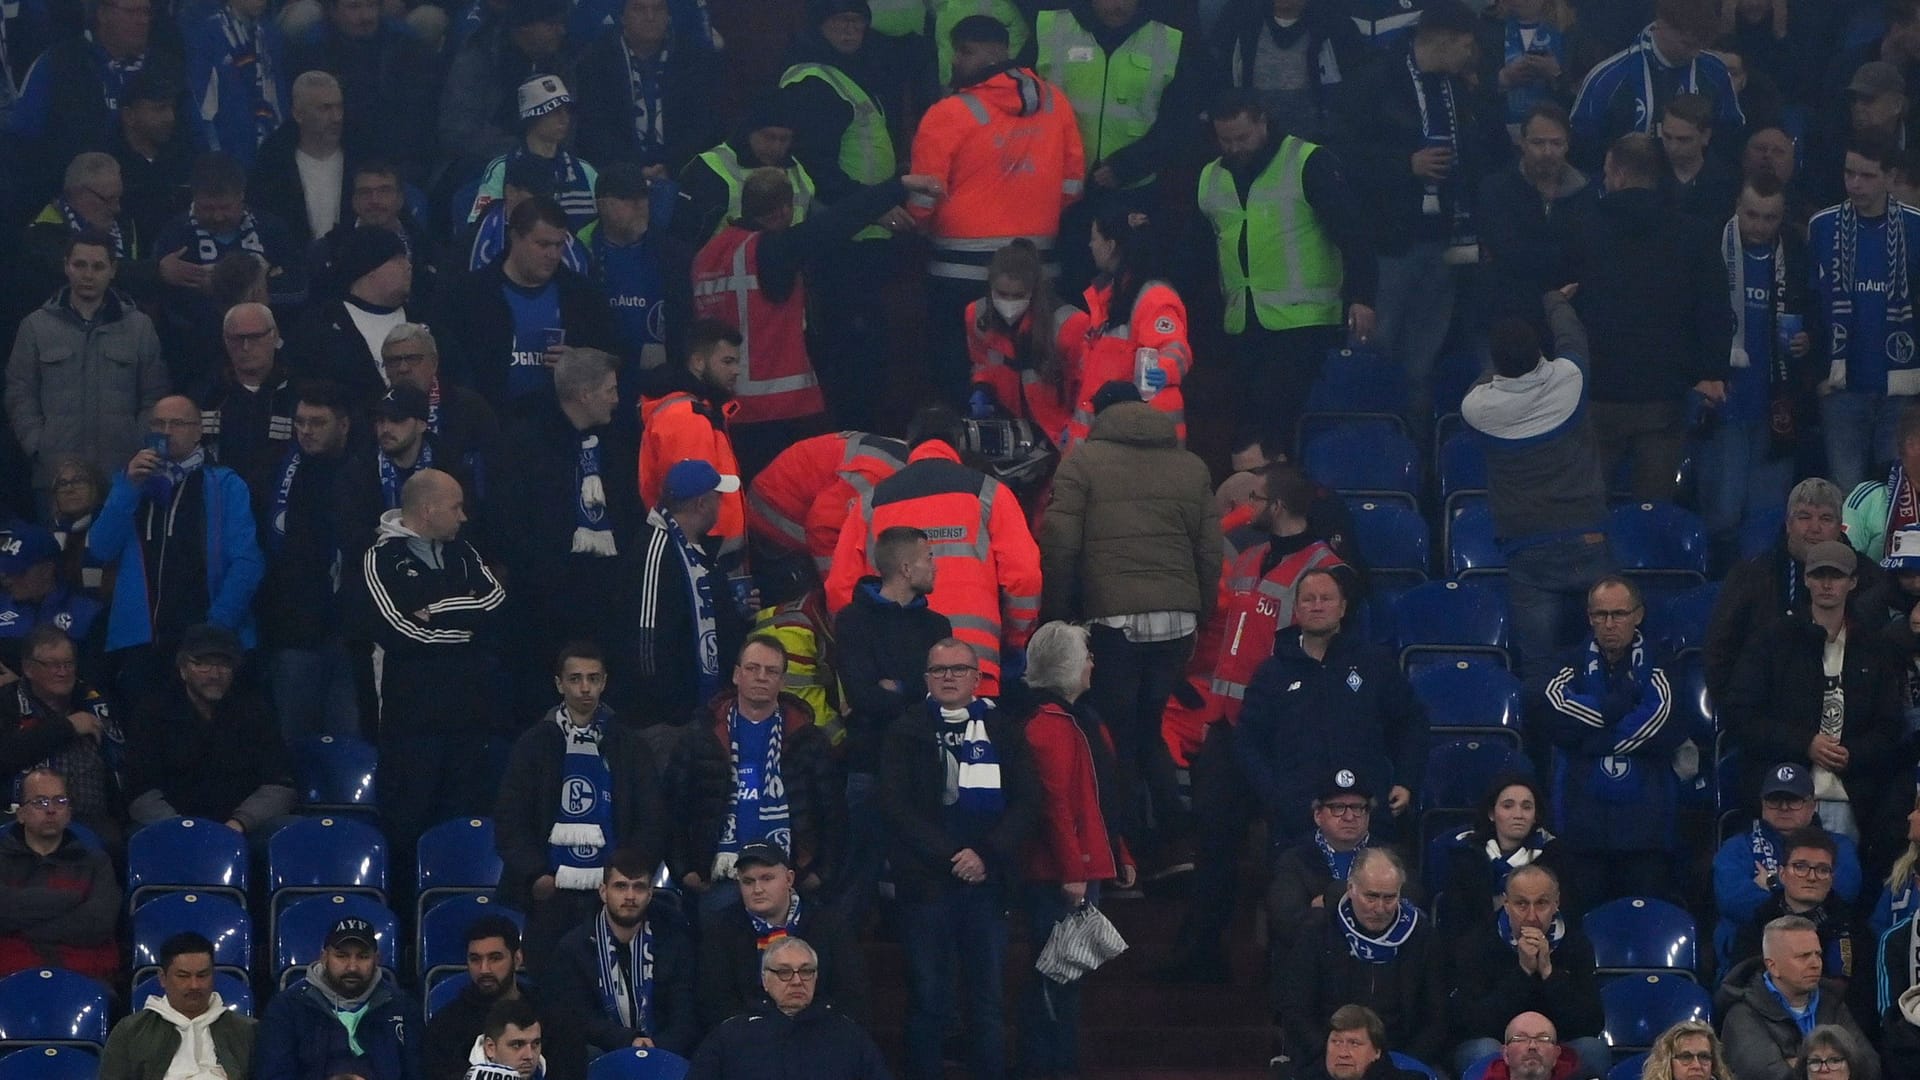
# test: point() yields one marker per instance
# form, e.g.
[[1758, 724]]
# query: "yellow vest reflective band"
[[808, 676], [1291, 267], [866, 147], [947, 15], [898, 18], [1115, 96], [726, 164]]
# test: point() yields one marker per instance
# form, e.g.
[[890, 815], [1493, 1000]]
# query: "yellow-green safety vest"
[[898, 18], [947, 15], [1115, 96], [866, 147], [1291, 268], [726, 164]]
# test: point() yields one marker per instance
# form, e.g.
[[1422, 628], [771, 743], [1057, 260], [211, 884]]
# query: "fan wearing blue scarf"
[[1376, 922]]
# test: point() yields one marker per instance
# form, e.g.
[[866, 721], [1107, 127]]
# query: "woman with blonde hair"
[[1688, 1050]]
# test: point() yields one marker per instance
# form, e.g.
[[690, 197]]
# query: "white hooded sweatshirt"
[[194, 1060]]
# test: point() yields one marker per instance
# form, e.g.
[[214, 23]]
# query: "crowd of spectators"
[[753, 469]]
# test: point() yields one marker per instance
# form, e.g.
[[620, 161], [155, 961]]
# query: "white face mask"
[[1011, 310]]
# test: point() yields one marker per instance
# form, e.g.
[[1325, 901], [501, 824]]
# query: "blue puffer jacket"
[[224, 61], [302, 1038], [234, 563]]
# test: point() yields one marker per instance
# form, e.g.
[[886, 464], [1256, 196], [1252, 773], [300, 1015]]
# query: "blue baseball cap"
[[1788, 778], [693, 478], [24, 546]]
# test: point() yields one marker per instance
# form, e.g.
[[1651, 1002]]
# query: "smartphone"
[[556, 337], [157, 442]]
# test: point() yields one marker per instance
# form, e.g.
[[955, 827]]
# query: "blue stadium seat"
[[1635, 934], [335, 773], [1658, 539], [1459, 771], [1679, 624], [1463, 467], [1451, 619], [1354, 388], [1393, 540], [1629, 1069], [233, 989], [1761, 530], [326, 854], [443, 931], [216, 918], [52, 1006], [1376, 463], [302, 931], [1688, 676], [49, 1063], [1478, 1070], [186, 855], [1454, 374], [1471, 699], [1472, 550], [638, 1064], [1408, 1063], [1639, 1008], [441, 994], [455, 857]]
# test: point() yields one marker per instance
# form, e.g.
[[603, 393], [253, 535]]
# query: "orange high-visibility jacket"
[[1018, 388], [800, 500], [1254, 609], [1097, 354], [986, 566], [680, 427], [1008, 150]]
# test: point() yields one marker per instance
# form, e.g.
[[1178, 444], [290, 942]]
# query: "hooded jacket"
[[1756, 1030], [83, 387], [876, 639], [435, 608], [1132, 526], [233, 565], [687, 420], [143, 1046], [1335, 51], [603, 104], [1007, 149], [302, 1036], [1900, 1035]]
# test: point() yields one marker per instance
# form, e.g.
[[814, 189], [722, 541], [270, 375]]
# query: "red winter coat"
[[1072, 842]]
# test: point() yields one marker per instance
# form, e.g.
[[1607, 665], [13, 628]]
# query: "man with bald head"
[[177, 531], [1532, 1049], [434, 610], [248, 420]]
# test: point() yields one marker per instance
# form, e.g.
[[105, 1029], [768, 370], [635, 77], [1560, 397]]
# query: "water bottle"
[[1145, 359]]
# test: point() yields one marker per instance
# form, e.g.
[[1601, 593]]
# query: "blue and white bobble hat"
[[541, 95], [1903, 550]]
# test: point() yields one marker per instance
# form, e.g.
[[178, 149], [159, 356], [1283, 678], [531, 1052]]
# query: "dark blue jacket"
[[301, 1039], [1305, 718], [571, 989], [765, 1044], [1614, 732]]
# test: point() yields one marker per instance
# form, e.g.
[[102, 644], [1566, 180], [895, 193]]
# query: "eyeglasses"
[[158, 424], [1345, 810], [404, 359], [51, 665], [64, 482], [787, 974], [110, 200], [258, 337], [1693, 1057], [210, 663], [1531, 1040], [1598, 617], [1826, 1064], [1816, 871], [951, 671], [47, 802]]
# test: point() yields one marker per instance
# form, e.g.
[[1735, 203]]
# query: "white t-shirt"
[[320, 181], [375, 328]]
